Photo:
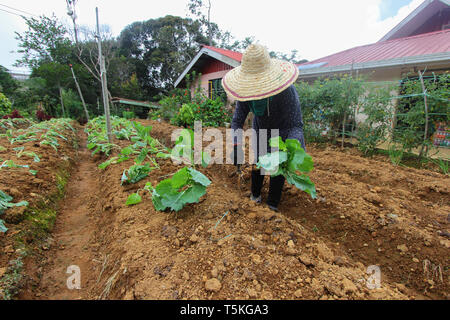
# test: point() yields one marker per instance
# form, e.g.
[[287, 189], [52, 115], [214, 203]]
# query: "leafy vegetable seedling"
[[5, 203], [135, 173], [289, 161], [186, 186]]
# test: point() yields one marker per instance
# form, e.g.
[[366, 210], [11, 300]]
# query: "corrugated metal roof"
[[428, 43], [228, 53]]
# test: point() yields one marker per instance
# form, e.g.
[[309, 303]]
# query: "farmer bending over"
[[265, 87]]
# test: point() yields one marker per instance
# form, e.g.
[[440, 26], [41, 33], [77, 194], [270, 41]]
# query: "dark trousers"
[[275, 187]]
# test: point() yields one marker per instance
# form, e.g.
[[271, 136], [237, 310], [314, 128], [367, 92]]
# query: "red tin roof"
[[428, 43], [228, 53]]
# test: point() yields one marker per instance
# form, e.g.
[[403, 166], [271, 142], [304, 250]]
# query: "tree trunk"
[[209, 23], [62, 102], [80, 93]]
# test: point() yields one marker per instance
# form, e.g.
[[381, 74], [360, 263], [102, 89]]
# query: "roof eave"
[[411, 16], [211, 53], [404, 61]]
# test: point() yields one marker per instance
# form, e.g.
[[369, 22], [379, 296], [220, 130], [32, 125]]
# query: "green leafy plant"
[[186, 186], [128, 115], [5, 105], [185, 116], [443, 165], [289, 161], [5, 203], [135, 173], [11, 165], [184, 149], [395, 154]]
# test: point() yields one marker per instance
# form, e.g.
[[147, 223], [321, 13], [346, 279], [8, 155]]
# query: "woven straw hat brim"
[[246, 86]]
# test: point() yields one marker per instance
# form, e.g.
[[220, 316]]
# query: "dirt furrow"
[[68, 270]]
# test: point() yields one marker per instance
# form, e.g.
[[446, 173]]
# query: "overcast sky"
[[316, 28]]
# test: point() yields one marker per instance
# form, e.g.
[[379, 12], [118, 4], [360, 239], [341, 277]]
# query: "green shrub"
[[185, 116], [128, 115], [5, 105]]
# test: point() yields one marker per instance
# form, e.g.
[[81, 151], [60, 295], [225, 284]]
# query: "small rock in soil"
[[306, 261], [402, 248], [298, 293], [252, 293], [213, 285], [348, 286], [194, 238]]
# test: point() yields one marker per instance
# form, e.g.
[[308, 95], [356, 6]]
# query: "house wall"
[[204, 81]]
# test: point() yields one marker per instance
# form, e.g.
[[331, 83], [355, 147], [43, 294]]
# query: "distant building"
[[20, 76], [421, 40], [213, 63]]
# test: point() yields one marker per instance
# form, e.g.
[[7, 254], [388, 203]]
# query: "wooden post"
[[104, 81], [61, 99], [424, 90], [79, 92]]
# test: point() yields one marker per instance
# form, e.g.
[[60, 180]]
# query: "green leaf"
[[199, 177], [303, 183], [180, 178], [3, 229], [127, 151], [307, 165], [193, 194], [277, 142], [293, 145], [206, 159], [272, 161], [297, 158], [157, 203], [91, 146], [105, 164], [133, 199], [162, 155], [33, 172], [141, 157]]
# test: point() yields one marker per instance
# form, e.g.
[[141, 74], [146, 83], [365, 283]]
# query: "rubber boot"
[[257, 183], [275, 191]]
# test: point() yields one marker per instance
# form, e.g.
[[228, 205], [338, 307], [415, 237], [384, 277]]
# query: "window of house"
[[215, 89]]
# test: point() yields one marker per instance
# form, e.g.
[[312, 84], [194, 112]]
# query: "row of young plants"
[[45, 133], [188, 184], [185, 186], [48, 133], [392, 113]]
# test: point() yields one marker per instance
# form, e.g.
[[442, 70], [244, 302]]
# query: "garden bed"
[[35, 172], [368, 212]]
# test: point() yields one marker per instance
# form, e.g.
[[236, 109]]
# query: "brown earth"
[[368, 212], [41, 190]]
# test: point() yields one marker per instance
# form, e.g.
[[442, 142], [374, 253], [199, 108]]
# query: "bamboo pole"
[[80, 93], [104, 81], [424, 90]]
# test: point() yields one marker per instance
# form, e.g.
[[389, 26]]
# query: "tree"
[[7, 83], [160, 49], [45, 42], [196, 7]]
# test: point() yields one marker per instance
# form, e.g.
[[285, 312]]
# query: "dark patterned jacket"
[[284, 113]]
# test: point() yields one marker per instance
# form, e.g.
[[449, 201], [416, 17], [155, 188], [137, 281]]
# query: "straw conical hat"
[[259, 76]]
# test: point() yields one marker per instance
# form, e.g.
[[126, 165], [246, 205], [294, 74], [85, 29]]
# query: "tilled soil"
[[368, 213]]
